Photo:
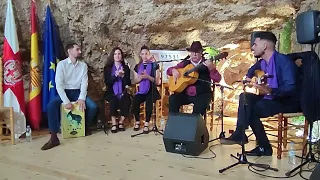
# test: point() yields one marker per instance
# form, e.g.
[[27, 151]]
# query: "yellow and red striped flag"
[[34, 104]]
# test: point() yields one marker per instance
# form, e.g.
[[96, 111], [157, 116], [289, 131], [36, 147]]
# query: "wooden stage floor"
[[120, 157]]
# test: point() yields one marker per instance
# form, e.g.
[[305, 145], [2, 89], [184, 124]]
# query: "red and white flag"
[[13, 91]]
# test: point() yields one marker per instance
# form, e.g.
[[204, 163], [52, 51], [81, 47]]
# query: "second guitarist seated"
[[199, 93]]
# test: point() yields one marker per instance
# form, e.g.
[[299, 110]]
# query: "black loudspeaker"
[[253, 37], [185, 134], [307, 27], [316, 173]]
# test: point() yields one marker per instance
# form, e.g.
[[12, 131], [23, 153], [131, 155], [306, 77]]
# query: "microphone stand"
[[222, 133], [153, 85], [242, 158]]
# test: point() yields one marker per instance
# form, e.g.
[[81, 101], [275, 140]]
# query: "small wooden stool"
[[6, 116]]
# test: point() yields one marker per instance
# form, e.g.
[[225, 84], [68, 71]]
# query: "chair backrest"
[[310, 76]]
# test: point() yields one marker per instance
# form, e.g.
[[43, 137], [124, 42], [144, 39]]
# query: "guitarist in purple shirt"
[[279, 95], [199, 93]]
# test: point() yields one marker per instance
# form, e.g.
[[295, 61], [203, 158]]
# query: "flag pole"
[[1, 78]]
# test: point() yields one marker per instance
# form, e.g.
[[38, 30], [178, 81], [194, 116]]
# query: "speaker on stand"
[[308, 29]]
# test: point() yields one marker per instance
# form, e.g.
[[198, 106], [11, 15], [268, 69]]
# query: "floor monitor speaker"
[[185, 134]]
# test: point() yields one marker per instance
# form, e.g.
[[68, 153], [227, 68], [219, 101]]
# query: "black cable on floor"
[[198, 157]]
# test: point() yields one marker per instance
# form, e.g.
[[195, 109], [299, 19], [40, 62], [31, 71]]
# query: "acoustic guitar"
[[261, 77], [189, 75]]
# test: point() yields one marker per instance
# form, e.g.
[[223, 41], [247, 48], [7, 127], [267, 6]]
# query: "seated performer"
[[199, 93], [117, 80], [280, 94], [148, 79], [71, 83]]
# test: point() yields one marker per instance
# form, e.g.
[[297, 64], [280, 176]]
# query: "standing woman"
[[148, 80], [117, 80]]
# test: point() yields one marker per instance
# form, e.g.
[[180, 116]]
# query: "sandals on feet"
[[114, 130], [121, 127], [136, 127]]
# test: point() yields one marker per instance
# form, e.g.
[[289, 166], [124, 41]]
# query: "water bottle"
[[162, 124], [292, 154], [28, 134]]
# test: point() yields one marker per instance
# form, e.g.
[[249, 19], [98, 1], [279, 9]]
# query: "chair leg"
[[1, 127], [285, 132], [305, 135], [280, 127], [12, 127], [211, 123]]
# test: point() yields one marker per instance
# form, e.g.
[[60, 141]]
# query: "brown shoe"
[[50, 144]]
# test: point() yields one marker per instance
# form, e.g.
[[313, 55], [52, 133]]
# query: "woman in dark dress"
[[117, 80], [148, 79]]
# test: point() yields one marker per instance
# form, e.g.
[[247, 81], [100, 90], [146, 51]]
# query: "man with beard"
[[279, 95], [71, 84]]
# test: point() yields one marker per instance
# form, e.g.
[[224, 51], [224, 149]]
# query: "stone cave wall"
[[100, 25]]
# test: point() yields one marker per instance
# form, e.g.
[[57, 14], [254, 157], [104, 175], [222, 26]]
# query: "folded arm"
[[60, 84]]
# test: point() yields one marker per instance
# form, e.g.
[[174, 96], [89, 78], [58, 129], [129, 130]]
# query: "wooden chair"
[[209, 115], [282, 127], [6, 115]]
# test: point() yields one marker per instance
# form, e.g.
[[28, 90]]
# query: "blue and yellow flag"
[[53, 53]]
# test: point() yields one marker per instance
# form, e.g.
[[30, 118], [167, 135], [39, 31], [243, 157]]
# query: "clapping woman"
[[117, 80]]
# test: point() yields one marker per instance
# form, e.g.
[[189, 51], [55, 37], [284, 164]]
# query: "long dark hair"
[[110, 60]]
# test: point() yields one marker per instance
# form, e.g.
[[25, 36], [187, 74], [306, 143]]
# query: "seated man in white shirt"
[[71, 84]]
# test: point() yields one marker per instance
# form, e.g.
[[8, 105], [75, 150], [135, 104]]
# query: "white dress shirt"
[[71, 76]]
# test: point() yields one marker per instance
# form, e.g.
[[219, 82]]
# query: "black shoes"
[[260, 151], [235, 138]]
